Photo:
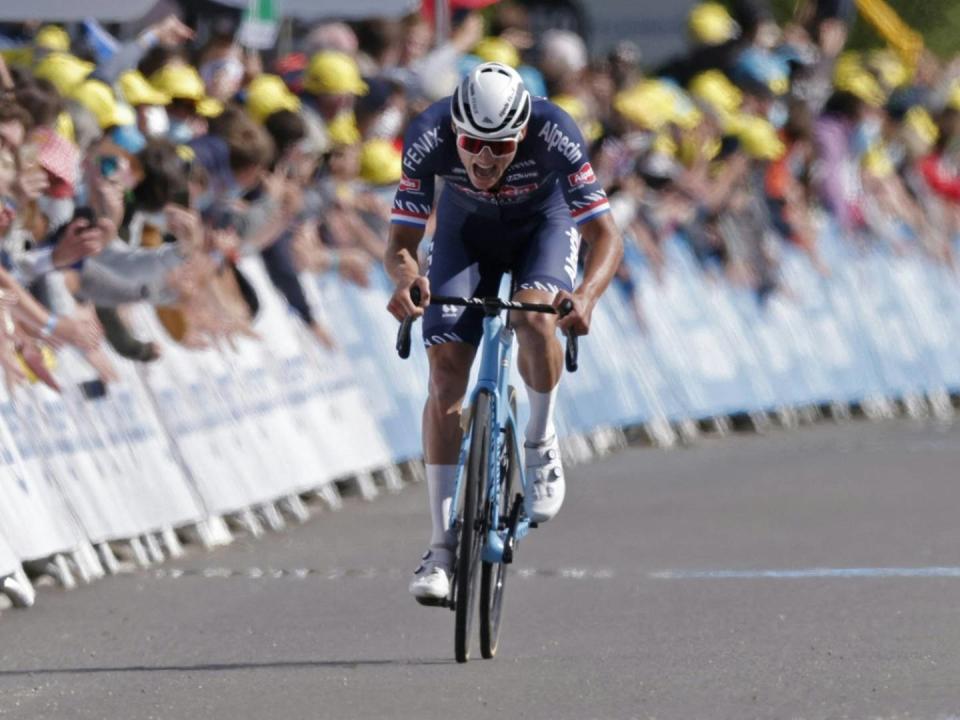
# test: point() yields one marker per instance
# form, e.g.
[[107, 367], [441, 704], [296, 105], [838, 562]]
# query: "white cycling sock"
[[441, 482], [540, 425]]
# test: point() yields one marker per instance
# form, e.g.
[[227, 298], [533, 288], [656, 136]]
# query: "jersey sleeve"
[[421, 149], [566, 152]]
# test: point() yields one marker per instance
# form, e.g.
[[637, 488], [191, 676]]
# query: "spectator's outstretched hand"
[[469, 33], [33, 358], [31, 183], [98, 360], [80, 240], [186, 226], [13, 374], [171, 31], [82, 329]]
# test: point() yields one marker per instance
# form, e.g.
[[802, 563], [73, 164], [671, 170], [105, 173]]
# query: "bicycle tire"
[[471, 526], [493, 576]]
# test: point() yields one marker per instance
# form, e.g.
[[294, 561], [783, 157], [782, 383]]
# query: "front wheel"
[[473, 499], [493, 576]]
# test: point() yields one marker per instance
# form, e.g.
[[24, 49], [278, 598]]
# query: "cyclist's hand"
[[578, 320], [401, 305]]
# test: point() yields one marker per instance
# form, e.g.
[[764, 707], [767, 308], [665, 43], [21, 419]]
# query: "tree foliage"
[[937, 20]]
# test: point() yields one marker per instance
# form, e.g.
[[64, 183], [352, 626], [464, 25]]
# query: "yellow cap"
[[380, 162], [64, 127], [137, 90], [683, 112], [665, 145], [888, 66], [918, 120], [99, 99], [343, 130], [268, 94], [850, 75], [496, 49], [186, 153], [758, 138], [64, 70], [575, 108], [711, 24], [648, 104], [180, 82], [52, 37], [18, 56], [876, 161], [209, 107], [335, 73], [715, 89]]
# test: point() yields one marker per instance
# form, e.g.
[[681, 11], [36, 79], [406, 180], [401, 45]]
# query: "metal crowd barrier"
[[202, 443]]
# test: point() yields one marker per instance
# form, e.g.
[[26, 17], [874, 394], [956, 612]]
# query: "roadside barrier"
[[205, 442]]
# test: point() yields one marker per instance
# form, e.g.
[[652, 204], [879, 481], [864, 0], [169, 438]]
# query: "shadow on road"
[[227, 667]]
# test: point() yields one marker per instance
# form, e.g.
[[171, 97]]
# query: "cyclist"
[[518, 191]]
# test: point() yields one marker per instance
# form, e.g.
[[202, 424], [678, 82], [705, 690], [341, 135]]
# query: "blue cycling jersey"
[[551, 167]]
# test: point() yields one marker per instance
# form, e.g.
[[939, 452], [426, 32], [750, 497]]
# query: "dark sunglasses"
[[475, 146]]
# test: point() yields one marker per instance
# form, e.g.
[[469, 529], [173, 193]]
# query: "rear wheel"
[[493, 576], [473, 503]]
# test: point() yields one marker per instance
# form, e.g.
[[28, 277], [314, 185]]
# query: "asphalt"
[[640, 600]]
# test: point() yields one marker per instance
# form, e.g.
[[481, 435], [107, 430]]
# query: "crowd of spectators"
[[143, 172]]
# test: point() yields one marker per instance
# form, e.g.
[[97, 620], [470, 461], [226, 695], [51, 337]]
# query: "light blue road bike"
[[487, 511]]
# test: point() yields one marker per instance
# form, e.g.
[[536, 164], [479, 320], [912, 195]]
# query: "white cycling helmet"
[[491, 103]]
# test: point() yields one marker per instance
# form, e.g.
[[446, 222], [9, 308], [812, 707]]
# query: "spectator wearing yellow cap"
[[332, 83], [52, 38], [189, 106], [716, 39], [149, 103], [268, 94], [114, 118], [64, 70]]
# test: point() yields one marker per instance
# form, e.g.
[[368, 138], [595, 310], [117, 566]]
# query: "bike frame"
[[493, 379]]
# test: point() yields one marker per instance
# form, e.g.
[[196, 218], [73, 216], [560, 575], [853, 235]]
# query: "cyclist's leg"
[[548, 265], [451, 335]]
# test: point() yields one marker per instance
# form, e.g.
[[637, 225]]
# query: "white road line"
[[804, 573], [257, 573]]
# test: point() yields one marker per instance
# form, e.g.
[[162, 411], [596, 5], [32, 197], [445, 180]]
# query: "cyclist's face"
[[484, 168]]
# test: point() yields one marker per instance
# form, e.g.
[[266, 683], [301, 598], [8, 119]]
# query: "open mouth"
[[484, 172]]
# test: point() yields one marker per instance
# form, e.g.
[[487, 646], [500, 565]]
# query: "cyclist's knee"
[[534, 327], [449, 373]]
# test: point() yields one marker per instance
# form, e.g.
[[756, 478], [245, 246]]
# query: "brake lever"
[[406, 325], [573, 343]]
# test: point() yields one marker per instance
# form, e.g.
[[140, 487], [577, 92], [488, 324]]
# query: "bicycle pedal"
[[433, 602]]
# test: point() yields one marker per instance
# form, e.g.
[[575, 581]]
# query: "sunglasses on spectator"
[[109, 165], [474, 146]]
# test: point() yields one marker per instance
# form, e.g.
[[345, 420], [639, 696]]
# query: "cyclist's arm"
[[604, 253], [403, 268], [603, 257]]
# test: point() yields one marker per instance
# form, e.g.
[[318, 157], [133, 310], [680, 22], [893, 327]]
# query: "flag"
[[260, 25]]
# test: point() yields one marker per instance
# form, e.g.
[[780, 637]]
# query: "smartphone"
[[93, 389], [182, 198], [85, 212]]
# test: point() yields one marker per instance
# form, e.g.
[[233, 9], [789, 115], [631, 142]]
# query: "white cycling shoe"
[[431, 581], [546, 484]]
